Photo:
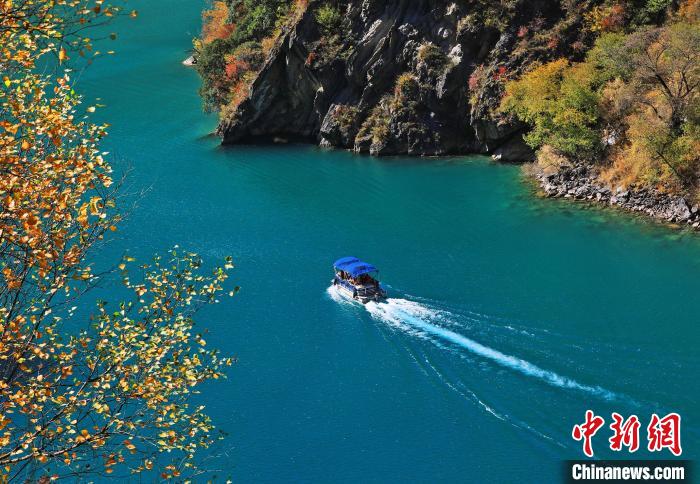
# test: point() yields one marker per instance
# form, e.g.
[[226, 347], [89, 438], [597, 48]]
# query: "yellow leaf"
[[62, 55]]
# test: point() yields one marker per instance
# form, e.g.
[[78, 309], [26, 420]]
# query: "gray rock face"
[[326, 93], [513, 150]]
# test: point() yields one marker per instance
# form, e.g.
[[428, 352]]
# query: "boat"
[[358, 280]]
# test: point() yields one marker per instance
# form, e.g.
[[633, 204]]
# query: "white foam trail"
[[471, 393], [395, 323], [401, 311]]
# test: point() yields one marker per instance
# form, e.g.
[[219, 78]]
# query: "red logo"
[[626, 433], [587, 430], [662, 433], [665, 433]]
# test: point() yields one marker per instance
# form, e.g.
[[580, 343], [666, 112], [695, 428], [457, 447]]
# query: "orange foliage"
[[500, 73], [310, 59], [690, 10], [240, 92], [215, 25], [301, 5], [235, 67], [607, 19], [75, 395]]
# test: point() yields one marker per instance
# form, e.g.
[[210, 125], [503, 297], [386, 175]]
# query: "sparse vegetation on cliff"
[[432, 58], [237, 35], [329, 19]]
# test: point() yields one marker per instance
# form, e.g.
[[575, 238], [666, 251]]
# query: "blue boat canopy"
[[359, 268], [354, 266], [341, 263]]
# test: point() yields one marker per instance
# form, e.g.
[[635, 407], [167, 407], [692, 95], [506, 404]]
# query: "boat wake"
[[421, 319]]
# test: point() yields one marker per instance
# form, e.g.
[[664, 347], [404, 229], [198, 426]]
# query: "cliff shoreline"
[[516, 81]]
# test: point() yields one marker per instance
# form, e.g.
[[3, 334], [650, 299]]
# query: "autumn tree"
[[83, 393], [561, 105], [633, 104], [658, 103]]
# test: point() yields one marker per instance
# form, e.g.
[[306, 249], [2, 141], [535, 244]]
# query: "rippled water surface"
[[508, 316]]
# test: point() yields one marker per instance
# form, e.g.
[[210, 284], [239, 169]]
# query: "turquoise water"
[[509, 315]]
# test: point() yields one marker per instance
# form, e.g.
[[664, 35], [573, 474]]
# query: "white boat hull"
[[362, 294]]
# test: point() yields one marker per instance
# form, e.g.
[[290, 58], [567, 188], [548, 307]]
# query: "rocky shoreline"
[[582, 183]]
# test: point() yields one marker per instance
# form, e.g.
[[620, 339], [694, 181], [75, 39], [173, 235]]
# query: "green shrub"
[[407, 87], [609, 57], [653, 11], [211, 66], [377, 124], [434, 59], [329, 19], [347, 117], [250, 53], [562, 102], [255, 19], [558, 101]]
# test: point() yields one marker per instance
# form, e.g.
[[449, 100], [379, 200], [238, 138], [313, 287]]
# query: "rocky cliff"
[[417, 77]]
